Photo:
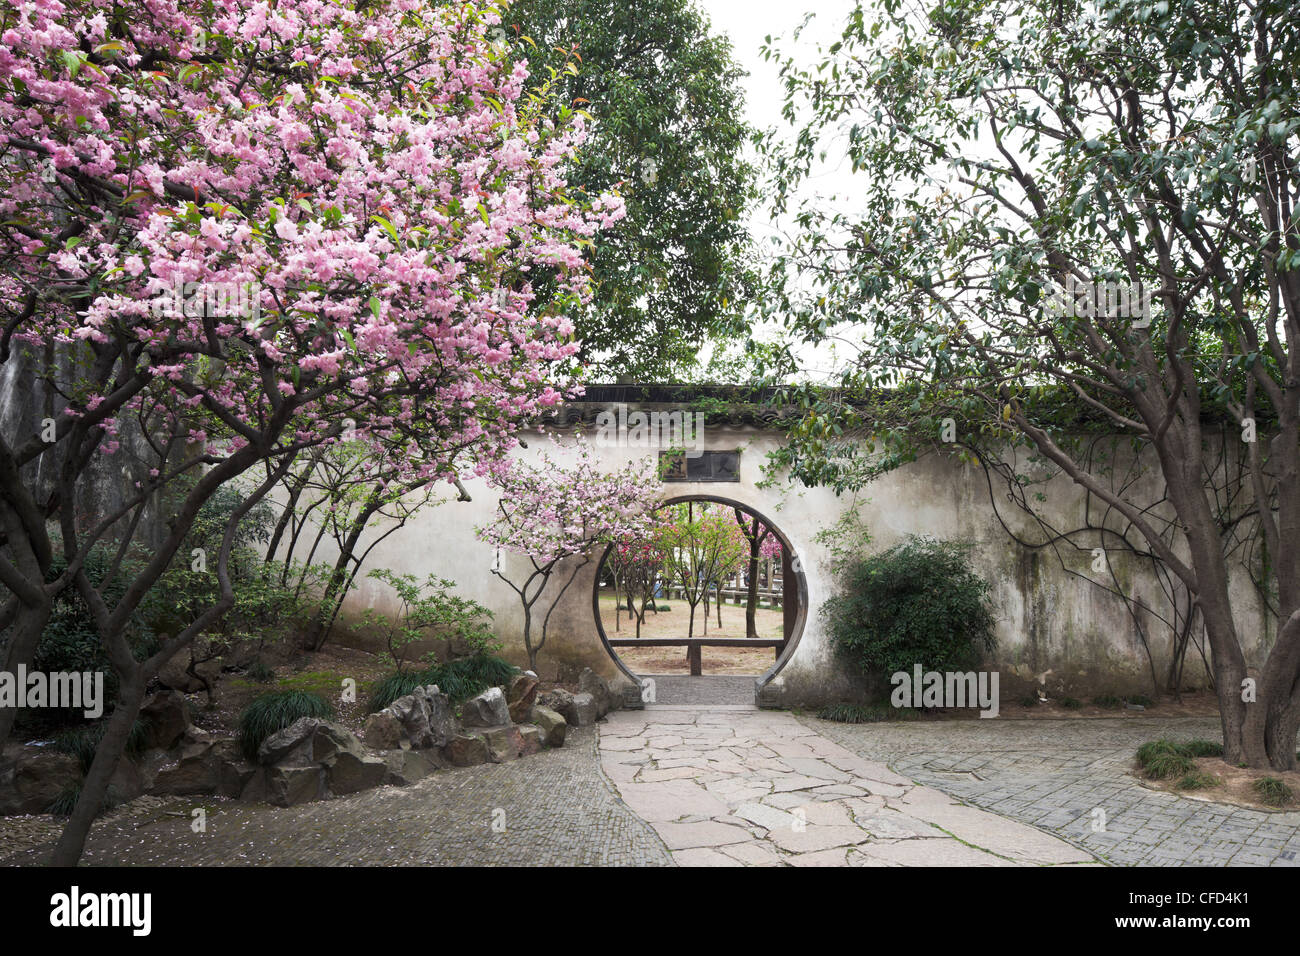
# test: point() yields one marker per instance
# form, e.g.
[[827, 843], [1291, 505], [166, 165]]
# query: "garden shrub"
[[1162, 759], [271, 713], [82, 742], [865, 714], [459, 679], [1273, 791], [917, 603], [70, 641], [428, 609]]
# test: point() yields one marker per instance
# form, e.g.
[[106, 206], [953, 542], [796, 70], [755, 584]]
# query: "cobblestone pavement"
[[703, 689], [1055, 775], [728, 784], [732, 784], [556, 807]]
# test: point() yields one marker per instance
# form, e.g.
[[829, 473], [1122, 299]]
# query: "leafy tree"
[[1007, 152], [638, 565], [554, 513], [762, 543], [351, 203], [703, 545], [667, 131], [429, 609]]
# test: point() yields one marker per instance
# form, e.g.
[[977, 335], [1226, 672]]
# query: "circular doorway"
[[705, 609]]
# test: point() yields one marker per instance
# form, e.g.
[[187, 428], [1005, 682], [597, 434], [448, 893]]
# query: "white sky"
[[747, 23]]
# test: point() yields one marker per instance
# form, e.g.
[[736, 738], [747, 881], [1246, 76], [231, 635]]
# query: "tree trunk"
[[320, 626], [26, 631], [107, 756], [528, 639]]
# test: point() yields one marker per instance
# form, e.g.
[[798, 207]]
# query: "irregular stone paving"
[[1056, 775], [556, 808], [706, 689], [733, 785]]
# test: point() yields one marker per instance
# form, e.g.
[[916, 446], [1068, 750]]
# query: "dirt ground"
[[322, 672], [675, 623], [1236, 785]]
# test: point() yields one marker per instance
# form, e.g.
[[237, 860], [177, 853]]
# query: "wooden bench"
[[694, 645]]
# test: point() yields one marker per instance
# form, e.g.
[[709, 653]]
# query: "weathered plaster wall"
[[1055, 626]]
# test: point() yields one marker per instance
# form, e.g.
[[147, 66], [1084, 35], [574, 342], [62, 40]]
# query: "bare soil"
[[1193, 704], [1236, 785], [675, 623], [321, 672]]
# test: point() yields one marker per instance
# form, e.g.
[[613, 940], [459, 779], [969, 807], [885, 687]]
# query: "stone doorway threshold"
[[706, 690]]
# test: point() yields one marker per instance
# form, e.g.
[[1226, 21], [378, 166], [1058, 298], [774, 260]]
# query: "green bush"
[[865, 714], [1273, 791], [1198, 780], [429, 609], [1071, 703], [917, 603], [70, 641], [459, 679], [1108, 702], [82, 742], [1162, 759], [271, 713]]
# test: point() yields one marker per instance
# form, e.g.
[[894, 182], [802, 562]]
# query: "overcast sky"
[[748, 23]]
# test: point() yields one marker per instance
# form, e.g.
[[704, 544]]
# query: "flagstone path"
[[733, 785]]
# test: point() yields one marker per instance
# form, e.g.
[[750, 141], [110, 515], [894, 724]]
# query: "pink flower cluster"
[[371, 171]]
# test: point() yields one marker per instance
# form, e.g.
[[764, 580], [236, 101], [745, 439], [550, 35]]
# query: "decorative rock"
[[521, 696], [585, 709], [332, 740], [151, 763], [560, 701], [350, 772], [191, 770], [175, 673], [504, 744], [532, 740], [127, 782], [488, 709], [589, 682], [233, 771], [425, 716], [166, 719], [467, 750], [383, 731], [31, 779], [291, 745], [289, 786], [308, 741], [405, 767], [551, 726]]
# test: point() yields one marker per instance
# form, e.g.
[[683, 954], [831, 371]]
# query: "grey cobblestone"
[[1054, 773], [559, 810]]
